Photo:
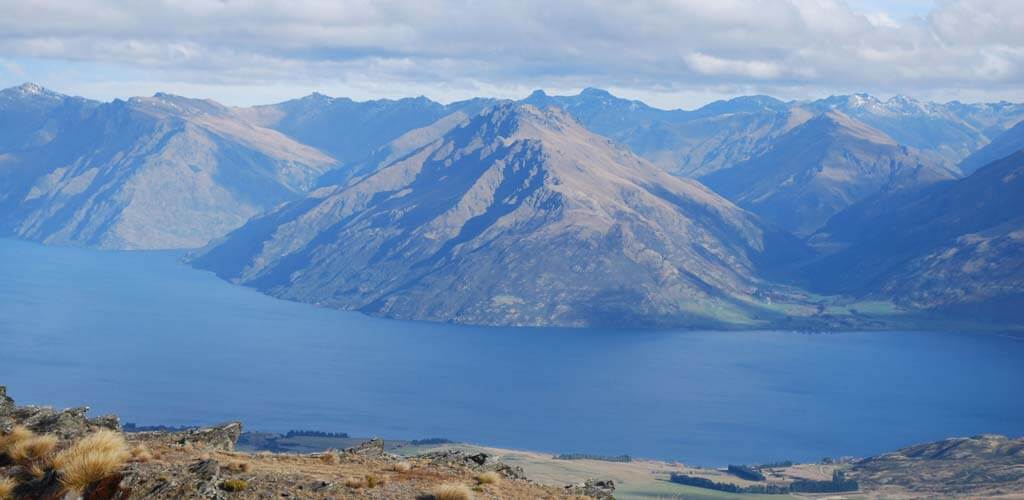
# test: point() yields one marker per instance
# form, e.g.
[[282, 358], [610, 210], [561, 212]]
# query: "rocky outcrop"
[[218, 437], [68, 423], [480, 462], [593, 488], [372, 448]]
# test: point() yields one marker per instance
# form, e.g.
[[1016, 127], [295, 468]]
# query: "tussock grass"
[[141, 454], [32, 450], [17, 434], [234, 485], [239, 466], [401, 467], [7, 486], [489, 477], [91, 459], [330, 457], [451, 491], [355, 482], [373, 480]]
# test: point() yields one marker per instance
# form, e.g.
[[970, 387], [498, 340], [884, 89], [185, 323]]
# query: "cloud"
[[459, 47]]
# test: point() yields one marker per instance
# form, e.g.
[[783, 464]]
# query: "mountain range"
[[522, 216], [571, 210], [146, 173]]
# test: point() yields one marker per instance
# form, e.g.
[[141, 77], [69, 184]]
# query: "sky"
[[669, 53]]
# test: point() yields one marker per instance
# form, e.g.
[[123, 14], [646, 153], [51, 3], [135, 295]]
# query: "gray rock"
[[69, 423], [593, 488], [372, 448], [205, 469], [218, 437]]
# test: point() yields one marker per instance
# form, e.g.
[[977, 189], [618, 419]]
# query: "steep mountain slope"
[[818, 169], [1004, 145], [30, 115], [350, 131], [517, 216], [955, 245], [945, 133], [723, 134], [158, 172], [686, 143]]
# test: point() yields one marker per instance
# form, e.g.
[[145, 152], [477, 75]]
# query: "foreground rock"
[[69, 423], [200, 463]]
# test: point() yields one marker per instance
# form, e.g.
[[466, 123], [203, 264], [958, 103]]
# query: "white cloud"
[[711, 65], [458, 48]]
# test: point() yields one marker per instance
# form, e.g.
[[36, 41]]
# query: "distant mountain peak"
[[171, 103], [29, 89], [596, 92], [537, 94]]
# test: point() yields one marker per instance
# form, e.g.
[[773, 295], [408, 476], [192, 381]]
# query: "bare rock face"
[[6, 402], [519, 216]]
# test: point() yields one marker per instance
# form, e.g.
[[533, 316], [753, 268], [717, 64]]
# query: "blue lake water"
[[143, 336]]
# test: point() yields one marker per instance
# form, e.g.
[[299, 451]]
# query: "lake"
[[144, 336]]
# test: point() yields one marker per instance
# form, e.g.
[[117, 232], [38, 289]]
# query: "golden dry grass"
[[489, 477], [373, 480], [7, 488], [17, 434], [451, 491], [355, 482], [91, 459], [32, 450], [401, 467], [330, 457], [141, 454], [239, 466]]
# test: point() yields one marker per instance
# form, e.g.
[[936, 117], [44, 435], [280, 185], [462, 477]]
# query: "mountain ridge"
[[501, 212]]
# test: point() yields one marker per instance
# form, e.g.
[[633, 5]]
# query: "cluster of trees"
[[584, 456], [839, 483], [775, 465], [744, 472], [701, 482], [321, 434]]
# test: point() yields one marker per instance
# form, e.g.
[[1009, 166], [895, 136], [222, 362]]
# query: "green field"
[[660, 488]]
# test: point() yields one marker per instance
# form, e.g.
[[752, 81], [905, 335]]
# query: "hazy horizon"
[[567, 92]]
